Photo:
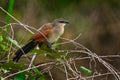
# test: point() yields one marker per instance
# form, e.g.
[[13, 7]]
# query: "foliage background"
[[97, 20]]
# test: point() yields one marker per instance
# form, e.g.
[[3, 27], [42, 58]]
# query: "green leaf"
[[53, 54], [39, 73], [41, 78], [49, 53], [20, 76], [12, 65], [85, 70], [1, 38], [10, 7], [2, 47], [39, 51], [55, 45], [32, 78]]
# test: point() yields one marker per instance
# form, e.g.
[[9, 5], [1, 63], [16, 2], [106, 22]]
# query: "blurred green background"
[[97, 20]]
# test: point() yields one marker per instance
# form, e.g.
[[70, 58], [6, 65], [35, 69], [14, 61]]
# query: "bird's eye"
[[61, 21]]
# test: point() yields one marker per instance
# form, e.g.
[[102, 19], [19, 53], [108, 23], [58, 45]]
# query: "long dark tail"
[[24, 50]]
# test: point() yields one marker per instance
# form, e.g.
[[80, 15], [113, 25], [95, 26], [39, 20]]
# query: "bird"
[[47, 34]]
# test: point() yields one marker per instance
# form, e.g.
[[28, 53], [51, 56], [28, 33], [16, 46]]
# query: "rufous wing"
[[42, 34]]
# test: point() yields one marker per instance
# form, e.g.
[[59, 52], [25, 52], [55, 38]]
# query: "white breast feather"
[[57, 32]]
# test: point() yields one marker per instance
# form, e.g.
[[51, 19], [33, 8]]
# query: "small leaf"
[[55, 45], [32, 78], [39, 73], [41, 78], [15, 66], [10, 8], [39, 51], [1, 38], [20, 76], [85, 70], [2, 46]]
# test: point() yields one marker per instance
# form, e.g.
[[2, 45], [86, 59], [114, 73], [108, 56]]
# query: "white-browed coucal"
[[47, 34]]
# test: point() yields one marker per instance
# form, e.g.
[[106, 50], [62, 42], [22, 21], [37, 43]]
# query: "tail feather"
[[24, 50]]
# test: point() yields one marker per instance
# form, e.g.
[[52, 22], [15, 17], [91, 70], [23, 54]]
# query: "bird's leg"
[[49, 45]]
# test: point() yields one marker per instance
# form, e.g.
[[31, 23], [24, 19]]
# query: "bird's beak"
[[67, 22]]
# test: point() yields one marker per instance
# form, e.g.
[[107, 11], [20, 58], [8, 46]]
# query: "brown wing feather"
[[42, 34]]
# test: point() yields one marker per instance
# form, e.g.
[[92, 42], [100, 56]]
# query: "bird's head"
[[60, 22]]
